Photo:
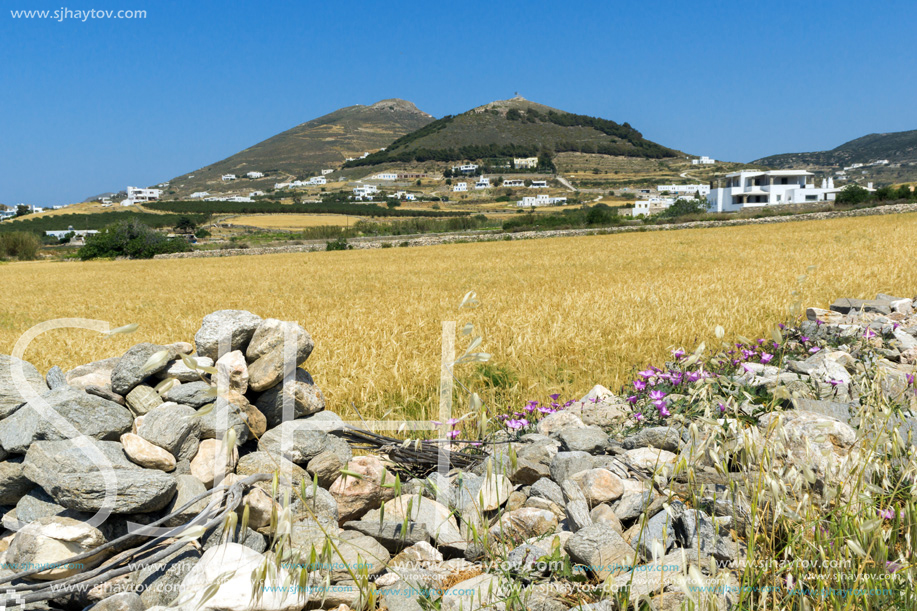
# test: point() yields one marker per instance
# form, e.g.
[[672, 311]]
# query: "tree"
[[682, 207], [852, 194], [130, 239], [185, 224], [885, 193], [22, 210], [904, 192]]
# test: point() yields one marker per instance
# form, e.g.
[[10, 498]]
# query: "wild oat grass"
[[558, 315]]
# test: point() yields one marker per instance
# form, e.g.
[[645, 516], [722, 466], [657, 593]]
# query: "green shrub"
[[202, 233], [21, 245], [338, 244], [130, 239]]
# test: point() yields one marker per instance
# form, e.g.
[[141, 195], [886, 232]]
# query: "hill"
[[515, 128], [304, 150], [898, 148]]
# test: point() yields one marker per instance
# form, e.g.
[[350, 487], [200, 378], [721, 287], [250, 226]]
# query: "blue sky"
[[87, 107]]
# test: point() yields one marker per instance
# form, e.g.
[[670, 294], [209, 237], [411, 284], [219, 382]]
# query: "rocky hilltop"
[[210, 476]]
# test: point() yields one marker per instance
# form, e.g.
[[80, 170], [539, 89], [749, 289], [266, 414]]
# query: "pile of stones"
[[139, 435]]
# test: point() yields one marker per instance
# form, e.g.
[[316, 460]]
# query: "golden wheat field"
[[558, 315], [294, 221]]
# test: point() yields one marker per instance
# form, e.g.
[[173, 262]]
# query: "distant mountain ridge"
[[896, 147], [515, 128], [324, 142]]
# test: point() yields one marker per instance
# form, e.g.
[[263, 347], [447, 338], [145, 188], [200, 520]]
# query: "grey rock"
[[97, 373], [397, 597], [524, 557], [106, 394], [128, 373], [249, 538], [70, 471], [662, 437], [577, 507], [181, 372], [840, 411], [300, 393], [55, 378], [659, 528], [847, 306], [142, 399], [186, 488], [590, 439], [174, 428], [632, 504], [298, 440], [269, 355], [10, 396], [262, 462], [316, 503], [92, 416], [696, 530], [13, 483], [548, 489], [161, 581], [225, 415], [122, 601], [233, 328], [527, 472], [601, 549], [195, 394], [566, 464], [326, 465], [392, 535]]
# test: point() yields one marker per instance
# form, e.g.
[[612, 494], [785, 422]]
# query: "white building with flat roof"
[[482, 183], [227, 177], [461, 186], [513, 183], [704, 160], [540, 200], [326, 172], [136, 195], [703, 190], [749, 189], [528, 163], [386, 176], [318, 180], [255, 175], [539, 184], [199, 195]]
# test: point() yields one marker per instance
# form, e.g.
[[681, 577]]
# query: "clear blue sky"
[[91, 107]]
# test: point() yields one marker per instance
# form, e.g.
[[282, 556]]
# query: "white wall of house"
[[755, 189]]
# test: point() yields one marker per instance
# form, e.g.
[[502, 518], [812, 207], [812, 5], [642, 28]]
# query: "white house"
[[755, 189], [483, 183], [78, 233], [460, 186], [386, 176], [514, 183], [255, 175], [704, 160], [540, 200], [525, 162], [281, 185], [199, 195], [256, 194], [228, 177], [468, 168], [404, 195], [539, 184], [365, 192], [648, 207], [318, 180], [326, 172], [703, 190], [136, 195]]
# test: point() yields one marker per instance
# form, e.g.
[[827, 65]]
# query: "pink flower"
[[638, 417], [814, 349], [656, 395], [888, 514], [869, 333], [452, 434], [639, 384], [678, 353], [766, 358], [632, 399]]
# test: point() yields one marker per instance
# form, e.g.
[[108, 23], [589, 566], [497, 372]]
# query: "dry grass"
[[558, 315], [294, 221]]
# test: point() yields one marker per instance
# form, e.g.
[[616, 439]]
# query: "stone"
[[160, 583], [50, 542], [601, 549], [268, 355], [528, 472], [394, 536], [605, 413], [262, 462], [538, 502], [97, 373], [904, 340], [485, 493], [824, 316], [326, 465], [300, 393], [233, 411], [104, 393], [232, 372], [145, 454], [548, 489], [142, 399], [486, 591], [417, 555], [178, 370], [355, 496], [174, 428], [357, 554], [604, 514], [71, 472], [815, 441], [657, 536], [195, 394], [55, 378], [261, 507], [316, 503], [10, 395], [235, 592], [249, 538], [576, 506], [524, 523], [13, 483], [232, 328], [435, 517], [650, 460], [297, 440], [697, 531], [85, 413], [599, 485], [590, 439], [129, 372], [839, 411], [212, 462], [854, 306], [566, 464], [662, 437], [122, 601], [632, 504], [187, 487], [553, 423]]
